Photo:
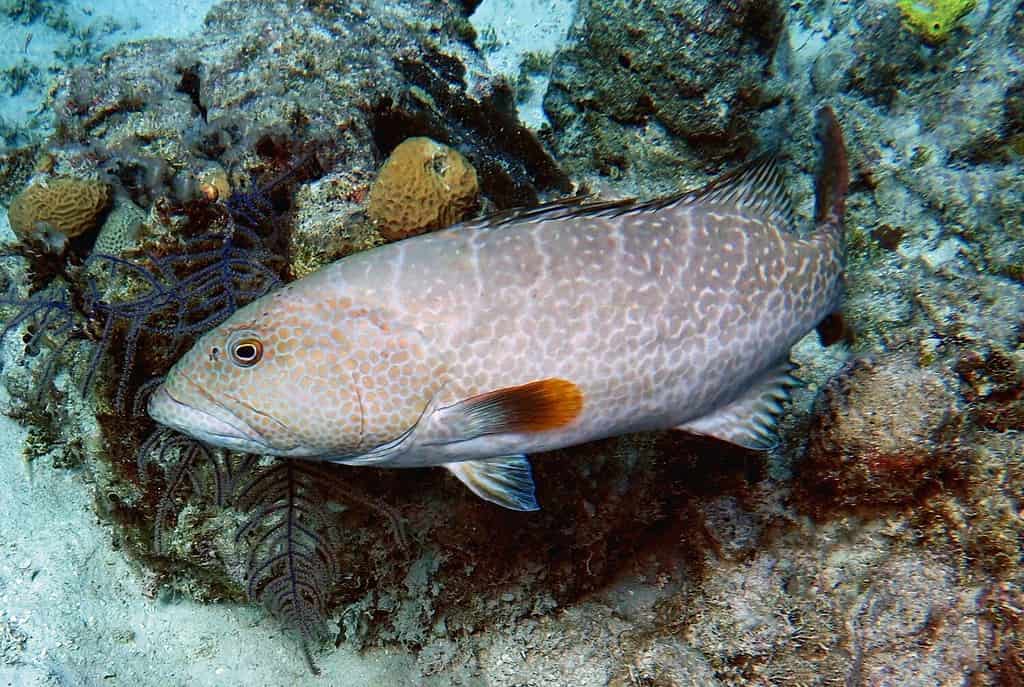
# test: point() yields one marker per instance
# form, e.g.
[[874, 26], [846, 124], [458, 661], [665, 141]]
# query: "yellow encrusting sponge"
[[423, 185]]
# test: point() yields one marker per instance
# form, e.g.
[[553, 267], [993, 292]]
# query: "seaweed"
[[182, 295], [185, 460], [288, 538], [291, 564]]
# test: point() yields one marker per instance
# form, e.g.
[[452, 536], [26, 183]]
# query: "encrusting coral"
[[423, 185], [120, 231], [869, 446], [68, 205], [934, 20]]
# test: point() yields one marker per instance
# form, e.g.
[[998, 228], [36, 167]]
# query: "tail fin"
[[833, 176]]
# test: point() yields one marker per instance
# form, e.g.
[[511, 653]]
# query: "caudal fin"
[[834, 174]]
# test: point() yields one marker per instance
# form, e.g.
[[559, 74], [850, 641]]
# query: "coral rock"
[[120, 231], [214, 183], [623, 73], [882, 431], [68, 205], [423, 185]]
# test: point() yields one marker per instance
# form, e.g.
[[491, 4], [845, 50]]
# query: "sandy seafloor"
[[78, 615]]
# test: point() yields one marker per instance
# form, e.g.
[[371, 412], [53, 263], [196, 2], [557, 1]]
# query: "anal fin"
[[506, 481], [750, 420]]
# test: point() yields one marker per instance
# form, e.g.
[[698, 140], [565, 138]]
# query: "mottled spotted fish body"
[[549, 327]]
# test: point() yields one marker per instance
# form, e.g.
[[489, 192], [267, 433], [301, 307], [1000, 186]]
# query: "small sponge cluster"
[[423, 185], [68, 205]]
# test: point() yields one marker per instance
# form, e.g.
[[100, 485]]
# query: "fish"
[[474, 346]]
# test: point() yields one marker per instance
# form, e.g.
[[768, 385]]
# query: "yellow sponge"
[[423, 185]]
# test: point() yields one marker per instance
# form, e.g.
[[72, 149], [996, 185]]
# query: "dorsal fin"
[[834, 173], [562, 208], [755, 187]]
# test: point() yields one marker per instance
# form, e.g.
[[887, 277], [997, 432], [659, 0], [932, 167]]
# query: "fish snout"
[[160, 406], [214, 425]]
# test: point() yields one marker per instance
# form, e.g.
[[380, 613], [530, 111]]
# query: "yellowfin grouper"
[[473, 346]]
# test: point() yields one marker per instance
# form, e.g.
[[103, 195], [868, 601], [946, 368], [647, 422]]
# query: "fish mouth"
[[220, 428]]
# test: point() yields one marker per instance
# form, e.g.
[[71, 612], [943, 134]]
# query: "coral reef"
[[869, 446], [423, 185], [67, 205], [934, 20], [651, 93], [656, 559]]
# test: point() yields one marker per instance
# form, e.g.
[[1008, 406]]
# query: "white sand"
[[509, 29], [73, 610], [94, 27]]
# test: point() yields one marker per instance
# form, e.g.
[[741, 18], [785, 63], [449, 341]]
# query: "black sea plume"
[[288, 539], [121, 320]]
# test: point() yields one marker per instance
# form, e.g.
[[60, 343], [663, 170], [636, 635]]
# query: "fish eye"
[[246, 352]]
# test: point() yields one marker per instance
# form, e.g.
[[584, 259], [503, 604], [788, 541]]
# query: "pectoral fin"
[[750, 420], [535, 407], [506, 481]]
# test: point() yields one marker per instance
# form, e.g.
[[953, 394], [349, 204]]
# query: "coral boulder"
[[67, 205], [423, 185], [883, 431]]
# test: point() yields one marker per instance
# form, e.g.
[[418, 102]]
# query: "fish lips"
[[219, 427]]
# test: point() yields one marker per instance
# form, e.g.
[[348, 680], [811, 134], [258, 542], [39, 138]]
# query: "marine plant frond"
[[288, 539], [291, 564], [191, 469], [291, 537], [162, 302]]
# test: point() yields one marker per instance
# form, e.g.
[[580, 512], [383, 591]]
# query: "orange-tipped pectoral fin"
[[534, 407]]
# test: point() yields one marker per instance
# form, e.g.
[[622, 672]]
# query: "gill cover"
[[394, 373]]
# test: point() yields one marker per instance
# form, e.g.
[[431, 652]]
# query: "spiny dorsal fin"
[[562, 208], [506, 481], [535, 407], [756, 187], [750, 420]]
